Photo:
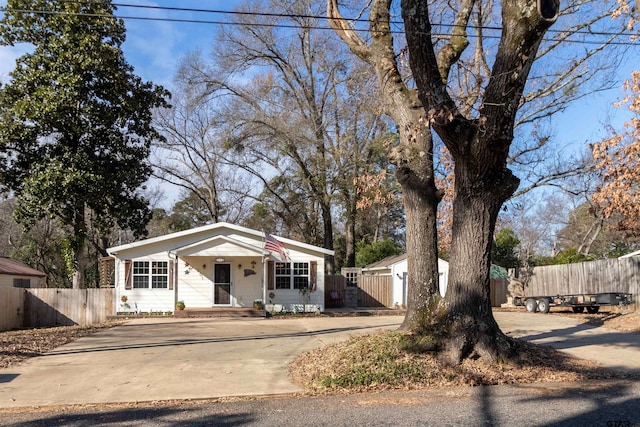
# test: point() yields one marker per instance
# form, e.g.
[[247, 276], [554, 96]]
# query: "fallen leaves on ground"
[[380, 361], [17, 346]]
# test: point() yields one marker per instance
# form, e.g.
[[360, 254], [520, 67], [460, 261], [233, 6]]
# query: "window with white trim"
[[292, 275], [150, 274]]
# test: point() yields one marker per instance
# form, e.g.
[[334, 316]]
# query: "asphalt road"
[[608, 404], [157, 360]]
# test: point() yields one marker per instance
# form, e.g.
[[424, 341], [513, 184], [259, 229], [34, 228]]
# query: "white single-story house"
[[19, 275], [397, 267], [219, 265]]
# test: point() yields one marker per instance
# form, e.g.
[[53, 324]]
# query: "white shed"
[[396, 267]]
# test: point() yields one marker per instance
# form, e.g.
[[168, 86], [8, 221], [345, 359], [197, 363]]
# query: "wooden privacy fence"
[[498, 292], [11, 307], [375, 291], [372, 291], [607, 275], [334, 291], [40, 307]]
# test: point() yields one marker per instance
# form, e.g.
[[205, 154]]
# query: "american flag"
[[274, 245]]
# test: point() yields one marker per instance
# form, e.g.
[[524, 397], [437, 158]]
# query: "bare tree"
[[617, 160], [295, 111], [193, 157]]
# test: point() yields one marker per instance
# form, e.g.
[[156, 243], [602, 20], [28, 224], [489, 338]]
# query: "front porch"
[[219, 312]]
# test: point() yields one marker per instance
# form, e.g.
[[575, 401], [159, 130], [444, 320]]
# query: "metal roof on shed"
[[12, 267]]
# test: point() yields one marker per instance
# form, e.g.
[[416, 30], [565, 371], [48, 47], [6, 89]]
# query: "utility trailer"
[[578, 302]]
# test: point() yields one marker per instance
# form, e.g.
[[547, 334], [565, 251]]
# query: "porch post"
[[264, 286]]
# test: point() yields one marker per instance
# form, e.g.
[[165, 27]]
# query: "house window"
[[292, 275], [150, 274], [21, 283], [352, 278]]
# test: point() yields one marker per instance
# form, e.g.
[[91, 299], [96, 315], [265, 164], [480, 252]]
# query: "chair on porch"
[[335, 299]]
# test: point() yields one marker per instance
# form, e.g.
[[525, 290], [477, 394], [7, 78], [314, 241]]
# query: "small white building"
[[397, 267], [219, 265]]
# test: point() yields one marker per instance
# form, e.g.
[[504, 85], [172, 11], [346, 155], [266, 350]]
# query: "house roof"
[[385, 262], [208, 232], [390, 261], [202, 247], [12, 267]]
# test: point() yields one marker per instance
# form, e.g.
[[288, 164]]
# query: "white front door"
[[222, 284]]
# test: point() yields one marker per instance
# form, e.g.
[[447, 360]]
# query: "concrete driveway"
[[164, 359], [610, 348]]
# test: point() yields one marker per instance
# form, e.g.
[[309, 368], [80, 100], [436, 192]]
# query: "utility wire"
[[292, 26], [360, 20]]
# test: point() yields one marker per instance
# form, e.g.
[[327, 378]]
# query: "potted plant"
[[123, 303], [180, 305], [258, 305]]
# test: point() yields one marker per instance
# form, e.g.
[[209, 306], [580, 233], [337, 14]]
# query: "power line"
[[294, 26], [361, 20]]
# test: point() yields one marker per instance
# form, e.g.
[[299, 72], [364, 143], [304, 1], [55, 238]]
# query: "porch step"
[[219, 312]]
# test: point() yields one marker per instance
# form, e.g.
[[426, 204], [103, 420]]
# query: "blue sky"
[[155, 49]]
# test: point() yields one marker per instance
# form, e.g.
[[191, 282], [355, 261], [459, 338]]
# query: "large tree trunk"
[[469, 318], [420, 199], [350, 235], [479, 147], [413, 157], [329, 260], [77, 245]]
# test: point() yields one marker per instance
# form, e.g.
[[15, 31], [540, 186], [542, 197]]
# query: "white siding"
[[292, 299], [196, 288], [200, 251], [400, 268], [144, 300]]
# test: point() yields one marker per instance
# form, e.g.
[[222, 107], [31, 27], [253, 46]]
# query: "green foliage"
[[188, 213], [75, 122], [567, 256], [67, 256], [505, 249], [571, 256], [497, 272], [367, 253]]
